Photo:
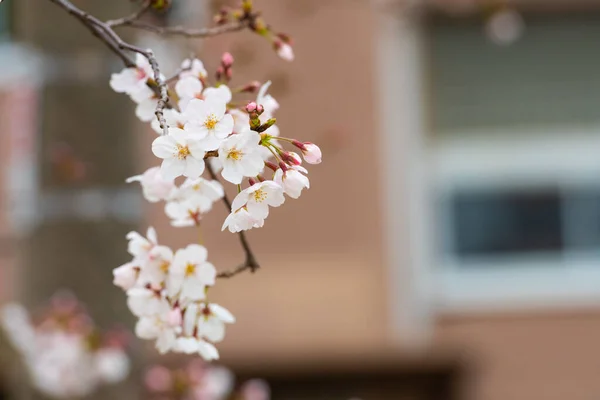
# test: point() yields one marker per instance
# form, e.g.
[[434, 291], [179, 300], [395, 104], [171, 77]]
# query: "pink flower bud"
[[260, 109], [284, 50], [251, 107], [158, 379], [312, 153], [271, 165], [174, 317], [227, 60]]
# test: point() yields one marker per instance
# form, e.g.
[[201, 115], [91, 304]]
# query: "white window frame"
[[411, 168], [516, 160]]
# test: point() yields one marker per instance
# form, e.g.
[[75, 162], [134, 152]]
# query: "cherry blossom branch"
[[187, 32], [104, 32], [133, 17], [250, 262]]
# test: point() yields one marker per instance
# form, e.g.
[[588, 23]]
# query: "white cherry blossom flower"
[[193, 68], [241, 220], [207, 122], [139, 247], [258, 197], [203, 191], [188, 88], [154, 185], [145, 302], [181, 153], [184, 213], [130, 80], [221, 93], [173, 118], [212, 320], [241, 120], [190, 273], [157, 327], [292, 180], [192, 345], [240, 156], [126, 275], [154, 271], [146, 100]]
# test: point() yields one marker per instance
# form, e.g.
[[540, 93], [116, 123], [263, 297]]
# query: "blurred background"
[[449, 246]]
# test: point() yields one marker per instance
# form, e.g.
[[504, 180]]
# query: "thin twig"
[[250, 263], [188, 32], [104, 32], [133, 17]]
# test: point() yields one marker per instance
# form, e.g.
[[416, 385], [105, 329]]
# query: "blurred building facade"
[[455, 217]]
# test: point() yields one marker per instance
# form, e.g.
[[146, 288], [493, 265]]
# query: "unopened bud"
[[311, 153], [227, 60], [251, 107], [250, 87], [271, 165], [284, 50], [259, 109]]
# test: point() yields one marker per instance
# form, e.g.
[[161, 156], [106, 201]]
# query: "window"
[[510, 222], [547, 77], [515, 172]]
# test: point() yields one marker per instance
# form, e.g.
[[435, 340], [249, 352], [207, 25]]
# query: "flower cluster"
[[65, 355], [168, 291], [198, 381], [218, 128]]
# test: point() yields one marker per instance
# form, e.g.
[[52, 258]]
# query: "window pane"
[[496, 223], [582, 220], [547, 77]]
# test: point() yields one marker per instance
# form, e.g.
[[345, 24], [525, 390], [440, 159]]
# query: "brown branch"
[[133, 17], [250, 263], [104, 32], [188, 32]]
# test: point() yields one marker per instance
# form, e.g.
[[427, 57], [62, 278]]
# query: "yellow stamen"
[[164, 267], [260, 196], [182, 152], [235, 154], [211, 121], [190, 269]]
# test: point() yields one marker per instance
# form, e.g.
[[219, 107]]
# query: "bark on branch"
[[105, 33]]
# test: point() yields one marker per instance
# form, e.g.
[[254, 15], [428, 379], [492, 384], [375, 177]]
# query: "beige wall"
[[323, 288]]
